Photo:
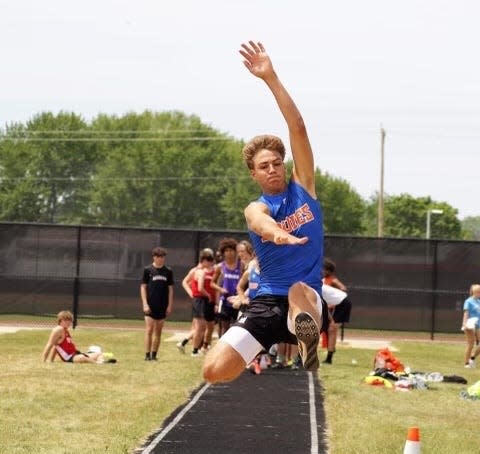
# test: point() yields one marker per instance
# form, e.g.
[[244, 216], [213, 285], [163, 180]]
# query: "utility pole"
[[380, 193]]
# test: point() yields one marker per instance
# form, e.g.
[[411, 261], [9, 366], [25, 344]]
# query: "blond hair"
[[263, 142], [64, 315], [474, 288]]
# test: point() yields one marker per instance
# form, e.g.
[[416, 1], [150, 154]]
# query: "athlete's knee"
[[297, 287], [222, 364], [213, 372], [212, 367]]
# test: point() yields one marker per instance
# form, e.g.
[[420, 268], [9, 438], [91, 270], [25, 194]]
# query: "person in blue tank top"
[[225, 280], [286, 229]]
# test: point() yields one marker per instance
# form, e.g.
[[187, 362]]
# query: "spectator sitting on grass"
[[60, 342]]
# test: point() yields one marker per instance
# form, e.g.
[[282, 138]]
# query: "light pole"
[[433, 266], [429, 214], [380, 221]]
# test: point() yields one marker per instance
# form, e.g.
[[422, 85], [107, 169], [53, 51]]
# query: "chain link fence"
[[394, 284]]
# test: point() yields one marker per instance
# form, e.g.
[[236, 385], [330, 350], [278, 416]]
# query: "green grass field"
[[65, 408]]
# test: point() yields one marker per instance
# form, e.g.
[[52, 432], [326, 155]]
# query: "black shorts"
[[157, 312], [341, 313], [70, 360], [209, 311], [266, 320], [227, 312], [198, 307]]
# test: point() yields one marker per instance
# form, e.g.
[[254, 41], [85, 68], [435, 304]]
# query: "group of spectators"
[[218, 286]]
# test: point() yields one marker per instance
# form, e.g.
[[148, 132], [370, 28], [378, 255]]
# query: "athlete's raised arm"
[[259, 64]]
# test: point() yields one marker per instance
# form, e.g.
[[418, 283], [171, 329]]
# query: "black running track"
[[278, 411]]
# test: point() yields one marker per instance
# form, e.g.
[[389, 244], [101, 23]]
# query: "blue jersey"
[[253, 282], [298, 213], [472, 306]]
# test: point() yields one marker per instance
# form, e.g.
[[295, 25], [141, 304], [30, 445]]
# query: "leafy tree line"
[[169, 169]]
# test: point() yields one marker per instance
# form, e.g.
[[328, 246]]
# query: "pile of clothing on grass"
[[472, 392], [389, 372]]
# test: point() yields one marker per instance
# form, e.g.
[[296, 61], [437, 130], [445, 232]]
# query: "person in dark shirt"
[[156, 292]]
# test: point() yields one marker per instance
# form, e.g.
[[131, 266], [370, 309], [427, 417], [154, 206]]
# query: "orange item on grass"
[[384, 359]]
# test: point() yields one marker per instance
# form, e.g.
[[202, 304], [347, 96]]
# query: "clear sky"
[[412, 67]]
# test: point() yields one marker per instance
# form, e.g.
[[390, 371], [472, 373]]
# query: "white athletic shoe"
[[181, 348]]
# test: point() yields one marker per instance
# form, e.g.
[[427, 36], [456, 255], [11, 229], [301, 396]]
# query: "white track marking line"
[[313, 415], [175, 421]]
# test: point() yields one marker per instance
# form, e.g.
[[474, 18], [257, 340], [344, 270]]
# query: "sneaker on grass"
[[108, 357]]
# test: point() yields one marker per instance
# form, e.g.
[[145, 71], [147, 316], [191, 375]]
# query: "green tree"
[[471, 228], [45, 169], [166, 169], [343, 207], [405, 216], [169, 169]]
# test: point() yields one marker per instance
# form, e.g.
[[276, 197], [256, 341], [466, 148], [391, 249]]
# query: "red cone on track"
[[412, 445]]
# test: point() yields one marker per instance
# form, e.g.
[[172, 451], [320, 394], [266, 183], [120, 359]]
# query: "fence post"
[[434, 287], [196, 246], [76, 280]]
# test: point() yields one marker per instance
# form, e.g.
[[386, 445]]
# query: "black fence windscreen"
[[394, 284]]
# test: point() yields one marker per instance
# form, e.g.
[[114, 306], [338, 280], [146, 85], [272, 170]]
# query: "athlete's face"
[[269, 171], [158, 261], [207, 263], [230, 255], [66, 323], [243, 254]]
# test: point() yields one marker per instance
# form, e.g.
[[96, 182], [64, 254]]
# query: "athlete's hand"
[[256, 60], [236, 301], [282, 237]]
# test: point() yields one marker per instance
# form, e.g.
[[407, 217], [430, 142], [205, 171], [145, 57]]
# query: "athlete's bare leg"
[[222, 363], [303, 312], [302, 298]]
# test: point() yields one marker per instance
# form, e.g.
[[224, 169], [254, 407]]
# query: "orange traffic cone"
[[412, 445]]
